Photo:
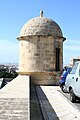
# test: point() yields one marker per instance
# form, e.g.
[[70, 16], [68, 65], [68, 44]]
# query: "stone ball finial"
[[41, 13]]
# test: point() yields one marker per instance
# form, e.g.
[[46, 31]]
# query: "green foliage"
[[5, 74]]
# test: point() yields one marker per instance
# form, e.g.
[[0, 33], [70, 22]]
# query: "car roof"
[[77, 62]]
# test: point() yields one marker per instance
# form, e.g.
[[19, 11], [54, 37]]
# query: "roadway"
[[67, 95]]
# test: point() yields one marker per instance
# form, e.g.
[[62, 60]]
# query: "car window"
[[74, 68], [79, 72]]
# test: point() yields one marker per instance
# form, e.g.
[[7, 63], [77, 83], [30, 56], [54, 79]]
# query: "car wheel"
[[72, 96], [63, 88]]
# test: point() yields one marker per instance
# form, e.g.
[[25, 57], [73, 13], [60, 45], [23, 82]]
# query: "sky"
[[15, 13]]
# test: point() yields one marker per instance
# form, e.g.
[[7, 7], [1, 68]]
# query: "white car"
[[72, 82]]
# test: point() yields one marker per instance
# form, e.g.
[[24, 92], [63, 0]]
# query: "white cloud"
[[73, 45], [71, 48], [8, 51]]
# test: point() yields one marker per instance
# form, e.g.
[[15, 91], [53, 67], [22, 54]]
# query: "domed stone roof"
[[41, 26]]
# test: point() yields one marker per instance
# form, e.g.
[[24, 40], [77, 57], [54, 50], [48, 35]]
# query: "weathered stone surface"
[[41, 48], [13, 109], [14, 99], [41, 26]]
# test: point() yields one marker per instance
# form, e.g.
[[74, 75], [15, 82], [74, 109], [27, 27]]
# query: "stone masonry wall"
[[37, 54], [37, 58]]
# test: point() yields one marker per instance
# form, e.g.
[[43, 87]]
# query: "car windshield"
[[74, 68]]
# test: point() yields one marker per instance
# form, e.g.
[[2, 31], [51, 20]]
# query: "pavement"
[[54, 105], [15, 99], [20, 100]]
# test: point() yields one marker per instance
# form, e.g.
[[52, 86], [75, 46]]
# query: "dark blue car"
[[63, 78]]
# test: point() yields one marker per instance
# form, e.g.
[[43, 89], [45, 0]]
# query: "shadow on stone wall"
[[40, 108]]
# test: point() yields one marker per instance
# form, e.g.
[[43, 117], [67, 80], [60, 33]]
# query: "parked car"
[[72, 82], [66, 70]]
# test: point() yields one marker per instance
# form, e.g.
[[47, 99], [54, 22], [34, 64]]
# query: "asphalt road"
[[77, 104]]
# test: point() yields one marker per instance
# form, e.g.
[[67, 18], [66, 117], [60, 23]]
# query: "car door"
[[77, 82], [70, 80]]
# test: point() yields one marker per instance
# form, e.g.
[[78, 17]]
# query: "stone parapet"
[[15, 99]]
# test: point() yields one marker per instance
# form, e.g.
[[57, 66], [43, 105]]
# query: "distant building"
[[73, 60], [9, 67], [41, 50]]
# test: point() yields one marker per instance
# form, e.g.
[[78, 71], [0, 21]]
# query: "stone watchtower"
[[41, 50]]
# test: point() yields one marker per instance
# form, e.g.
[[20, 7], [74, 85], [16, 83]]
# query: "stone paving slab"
[[17, 88], [14, 99], [56, 107], [13, 109]]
